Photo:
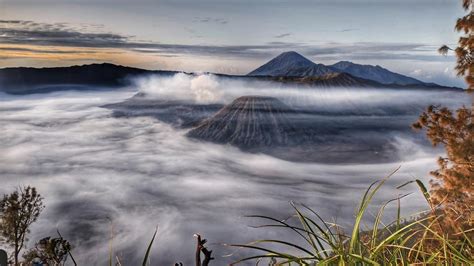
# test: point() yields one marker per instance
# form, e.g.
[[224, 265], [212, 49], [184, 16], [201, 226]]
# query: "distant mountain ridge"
[[292, 64], [375, 73], [289, 68], [24, 80]]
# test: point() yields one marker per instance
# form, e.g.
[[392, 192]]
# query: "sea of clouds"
[[102, 176], [209, 89]]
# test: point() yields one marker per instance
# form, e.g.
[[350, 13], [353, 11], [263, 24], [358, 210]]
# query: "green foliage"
[[465, 50], [17, 212], [398, 243], [451, 187]]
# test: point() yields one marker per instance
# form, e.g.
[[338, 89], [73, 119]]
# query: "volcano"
[[265, 125], [294, 65], [291, 64], [249, 121]]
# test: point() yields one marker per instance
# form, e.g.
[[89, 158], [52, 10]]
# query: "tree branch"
[[201, 248]]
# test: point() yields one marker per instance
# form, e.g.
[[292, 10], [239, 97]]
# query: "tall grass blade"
[[111, 244], [311, 234], [68, 252], [425, 192], [394, 236], [284, 224], [365, 260], [147, 254], [255, 257], [286, 244], [354, 247], [269, 251]]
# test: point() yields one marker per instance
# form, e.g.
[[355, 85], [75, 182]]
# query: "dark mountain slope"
[[26, 80], [376, 73], [311, 71], [292, 64]]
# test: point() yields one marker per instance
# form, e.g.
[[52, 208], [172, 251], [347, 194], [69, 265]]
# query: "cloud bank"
[[209, 88], [100, 173]]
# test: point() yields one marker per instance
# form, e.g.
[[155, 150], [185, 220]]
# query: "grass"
[[146, 257], [413, 242], [147, 254]]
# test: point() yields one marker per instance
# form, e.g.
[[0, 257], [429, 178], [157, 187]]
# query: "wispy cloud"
[[283, 35], [211, 20], [28, 32], [348, 30], [45, 51], [13, 21], [17, 32]]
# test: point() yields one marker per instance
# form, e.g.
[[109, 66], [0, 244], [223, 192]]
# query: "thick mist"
[[98, 172], [209, 89]]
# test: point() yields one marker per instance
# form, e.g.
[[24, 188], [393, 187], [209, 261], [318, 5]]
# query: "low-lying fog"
[[98, 172]]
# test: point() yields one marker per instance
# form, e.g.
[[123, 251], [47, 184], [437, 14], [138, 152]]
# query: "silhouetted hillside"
[[26, 80]]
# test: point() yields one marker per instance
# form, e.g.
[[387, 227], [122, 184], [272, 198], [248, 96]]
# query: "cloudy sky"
[[230, 36]]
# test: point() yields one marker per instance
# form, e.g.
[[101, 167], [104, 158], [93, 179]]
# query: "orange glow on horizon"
[[23, 55]]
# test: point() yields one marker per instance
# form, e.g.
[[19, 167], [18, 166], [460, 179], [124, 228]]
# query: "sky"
[[232, 37]]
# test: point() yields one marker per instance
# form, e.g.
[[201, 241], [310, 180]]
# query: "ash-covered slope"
[[249, 121], [331, 80], [266, 125], [311, 71]]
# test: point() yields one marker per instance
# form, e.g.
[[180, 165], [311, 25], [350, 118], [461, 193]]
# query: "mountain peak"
[[343, 64], [292, 55], [290, 64]]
